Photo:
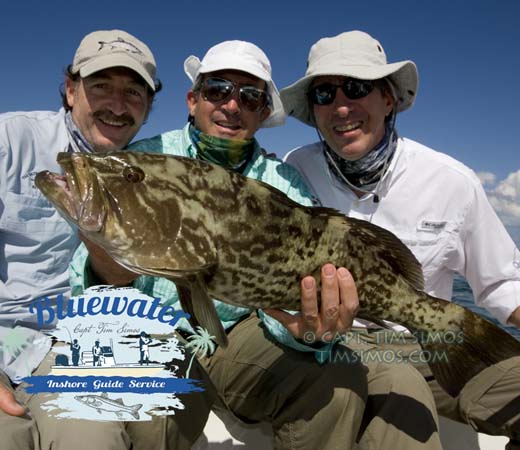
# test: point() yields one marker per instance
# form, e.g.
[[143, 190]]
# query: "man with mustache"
[[309, 405], [107, 96]]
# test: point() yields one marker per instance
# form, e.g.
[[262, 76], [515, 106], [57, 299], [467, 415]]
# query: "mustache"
[[108, 115]]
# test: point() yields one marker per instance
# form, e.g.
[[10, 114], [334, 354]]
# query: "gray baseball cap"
[[353, 54], [104, 49]]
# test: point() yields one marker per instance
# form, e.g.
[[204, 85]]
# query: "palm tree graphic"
[[201, 343]]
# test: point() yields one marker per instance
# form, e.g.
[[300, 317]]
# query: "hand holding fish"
[[339, 305], [105, 269], [8, 403]]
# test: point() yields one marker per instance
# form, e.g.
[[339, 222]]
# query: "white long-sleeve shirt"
[[438, 208]]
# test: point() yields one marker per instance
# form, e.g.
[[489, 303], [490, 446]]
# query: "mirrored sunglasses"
[[216, 90], [325, 93]]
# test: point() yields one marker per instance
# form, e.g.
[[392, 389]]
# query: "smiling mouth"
[[113, 120], [113, 123], [348, 127], [229, 126]]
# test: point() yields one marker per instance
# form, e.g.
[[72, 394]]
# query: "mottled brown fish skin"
[[243, 242]]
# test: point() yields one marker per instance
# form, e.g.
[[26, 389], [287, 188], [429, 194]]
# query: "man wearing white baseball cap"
[[109, 89], [433, 203], [309, 405]]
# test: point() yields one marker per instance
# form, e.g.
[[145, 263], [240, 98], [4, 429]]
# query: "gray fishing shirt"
[[36, 243]]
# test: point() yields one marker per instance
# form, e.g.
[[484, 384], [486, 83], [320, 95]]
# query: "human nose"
[[118, 102], [342, 104], [232, 103]]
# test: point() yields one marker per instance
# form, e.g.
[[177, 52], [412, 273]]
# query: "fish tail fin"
[[135, 409], [457, 356]]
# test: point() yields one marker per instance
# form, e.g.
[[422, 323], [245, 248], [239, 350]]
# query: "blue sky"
[[467, 54]]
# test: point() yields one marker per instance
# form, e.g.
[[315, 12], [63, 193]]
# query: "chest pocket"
[[431, 242], [33, 215]]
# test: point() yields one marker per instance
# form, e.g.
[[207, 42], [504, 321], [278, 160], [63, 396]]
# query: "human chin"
[[351, 151], [104, 143], [115, 138]]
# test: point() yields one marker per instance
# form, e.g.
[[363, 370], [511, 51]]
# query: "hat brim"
[[192, 68], [403, 76], [116, 60]]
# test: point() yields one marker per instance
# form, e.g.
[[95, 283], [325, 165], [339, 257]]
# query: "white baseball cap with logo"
[[245, 57], [104, 49]]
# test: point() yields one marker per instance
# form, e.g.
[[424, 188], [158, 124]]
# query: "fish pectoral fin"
[[173, 275], [186, 303], [196, 302]]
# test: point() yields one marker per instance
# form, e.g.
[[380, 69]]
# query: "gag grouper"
[[220, 235]]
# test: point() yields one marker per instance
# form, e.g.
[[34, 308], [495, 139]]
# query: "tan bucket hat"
[[352, 54]]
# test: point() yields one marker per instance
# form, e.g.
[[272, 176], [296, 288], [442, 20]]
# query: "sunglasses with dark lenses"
[[216, 90], [325, 93]]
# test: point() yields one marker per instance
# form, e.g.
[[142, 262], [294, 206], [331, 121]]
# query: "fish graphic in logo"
[[104, 403], [121, 44]]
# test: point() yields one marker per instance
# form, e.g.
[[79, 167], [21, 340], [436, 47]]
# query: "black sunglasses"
[[325, 93], [217, 90]]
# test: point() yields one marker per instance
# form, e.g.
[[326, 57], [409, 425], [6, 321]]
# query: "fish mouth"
[[77, 194]]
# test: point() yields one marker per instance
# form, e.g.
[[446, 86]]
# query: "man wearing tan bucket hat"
[[108, 93], [432, 202]]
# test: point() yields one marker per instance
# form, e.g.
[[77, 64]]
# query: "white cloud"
[[487, 178], [510, 187], [505, 197]]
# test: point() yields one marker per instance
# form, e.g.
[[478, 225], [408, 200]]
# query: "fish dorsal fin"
[[104, 395], [195, 301], [395, 253]]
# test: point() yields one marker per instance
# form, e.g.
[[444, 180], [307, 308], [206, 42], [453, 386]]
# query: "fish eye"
[[133, 174]]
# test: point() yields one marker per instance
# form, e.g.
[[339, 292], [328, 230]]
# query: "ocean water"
[[462, 292]]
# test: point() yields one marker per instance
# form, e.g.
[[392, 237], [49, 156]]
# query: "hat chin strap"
[[344, 179]]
